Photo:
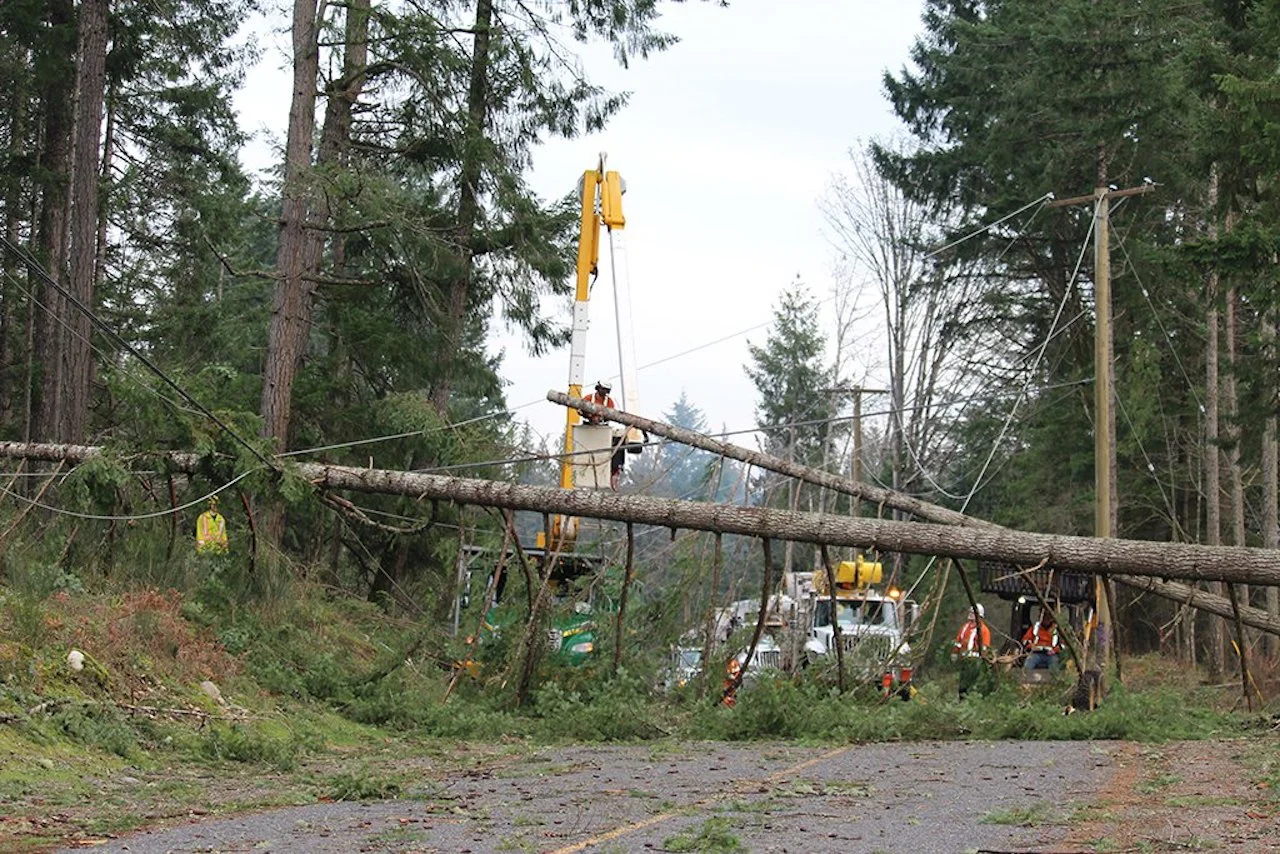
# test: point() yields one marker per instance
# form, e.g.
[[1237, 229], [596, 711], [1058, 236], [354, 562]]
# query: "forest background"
[[154, 298]]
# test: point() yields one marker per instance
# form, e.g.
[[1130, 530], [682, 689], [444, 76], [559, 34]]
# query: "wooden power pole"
[[1104, 446]]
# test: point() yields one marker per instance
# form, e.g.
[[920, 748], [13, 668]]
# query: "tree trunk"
[[10, 268], [1230, 399], [291, 305], [1270, 478], [884, 497], [1212, 471], [468, 206], [49, 333], [1091, 555], [335, 134], [77, 355]]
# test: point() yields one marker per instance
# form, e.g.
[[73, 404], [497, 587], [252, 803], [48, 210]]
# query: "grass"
[[1041, 812], [300, 709], [714, 835], [1160, 781]]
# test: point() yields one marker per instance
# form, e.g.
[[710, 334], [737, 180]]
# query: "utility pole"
[[856, 460], [858, 392], [1104, 446], [1104, 412]]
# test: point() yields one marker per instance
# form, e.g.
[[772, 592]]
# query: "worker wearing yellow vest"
[[211, 531]]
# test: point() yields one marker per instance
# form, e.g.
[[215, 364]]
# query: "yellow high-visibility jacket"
[[211, 532]]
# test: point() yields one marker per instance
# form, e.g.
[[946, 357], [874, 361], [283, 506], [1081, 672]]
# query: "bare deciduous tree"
[[924, 307]]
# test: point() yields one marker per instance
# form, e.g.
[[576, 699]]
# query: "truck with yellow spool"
[[871, 622]]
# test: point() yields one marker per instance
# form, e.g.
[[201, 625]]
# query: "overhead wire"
[[673, 356], [36, 268], [911, 450], [131, 517], [1008, 420]]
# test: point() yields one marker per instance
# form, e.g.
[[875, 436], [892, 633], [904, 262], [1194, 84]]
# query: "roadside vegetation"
[[310, 678]]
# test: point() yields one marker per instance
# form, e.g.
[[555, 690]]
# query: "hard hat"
[[602, 384], [982, 612]]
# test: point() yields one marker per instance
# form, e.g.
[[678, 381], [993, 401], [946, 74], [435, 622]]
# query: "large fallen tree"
[[1085, 554], [1180, 593]]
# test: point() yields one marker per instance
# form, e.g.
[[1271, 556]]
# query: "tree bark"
[[335, 133], [10, 268], [468, 205], [1092, 555], [49, 334], [889, 498], [91, 76], [291, 305], [1212, 466], [1270, 480]]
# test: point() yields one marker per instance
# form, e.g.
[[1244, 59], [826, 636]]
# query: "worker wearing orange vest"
[[975, 629], [732, 679], [1041, 643], [973, 641], [599, 398], [211, 531]]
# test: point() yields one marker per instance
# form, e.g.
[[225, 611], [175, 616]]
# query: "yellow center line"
[[625, 829]]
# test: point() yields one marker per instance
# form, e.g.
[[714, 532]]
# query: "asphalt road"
[[917, 798]]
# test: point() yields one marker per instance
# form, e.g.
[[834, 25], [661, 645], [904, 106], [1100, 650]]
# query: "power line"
[[136, 517], [35, 267], [681, 354]]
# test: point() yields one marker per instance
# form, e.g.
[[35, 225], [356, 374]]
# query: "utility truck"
[[871, 623]]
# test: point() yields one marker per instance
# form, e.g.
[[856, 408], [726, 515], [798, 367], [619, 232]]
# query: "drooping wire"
[[678, 355], [995, 446], [35, 267], [135, 517]]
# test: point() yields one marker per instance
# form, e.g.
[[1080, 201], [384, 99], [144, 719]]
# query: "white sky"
[[730, 138]]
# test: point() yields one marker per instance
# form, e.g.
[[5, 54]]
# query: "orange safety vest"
[[967, 638], [607, 401], [211, 532], [1040, 638]]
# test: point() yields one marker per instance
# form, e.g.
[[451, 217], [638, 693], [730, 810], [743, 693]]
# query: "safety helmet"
[[982, 612], [603, 386]]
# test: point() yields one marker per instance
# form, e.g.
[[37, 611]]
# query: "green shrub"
[[363, 785], [96, 726], [715, 835], [240, 743], [613, 709]]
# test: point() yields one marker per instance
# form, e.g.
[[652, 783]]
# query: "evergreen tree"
[[796, 400]]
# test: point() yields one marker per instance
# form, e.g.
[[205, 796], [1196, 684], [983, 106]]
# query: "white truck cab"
[[872, 623]]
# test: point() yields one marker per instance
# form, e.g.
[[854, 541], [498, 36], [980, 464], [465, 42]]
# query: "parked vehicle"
[[872, 623], [683, 667]]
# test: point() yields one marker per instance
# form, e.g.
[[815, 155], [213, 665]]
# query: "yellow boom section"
[[601, 198]]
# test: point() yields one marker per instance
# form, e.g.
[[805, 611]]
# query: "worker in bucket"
[[972, 642], [1041, 643], [600, 398]]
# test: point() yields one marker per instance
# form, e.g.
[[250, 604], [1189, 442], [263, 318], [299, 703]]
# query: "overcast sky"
[[729, 140]]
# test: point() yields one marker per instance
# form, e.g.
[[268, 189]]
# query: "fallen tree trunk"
[[1203, 600], [1180, 593], [835, 483], [1084, 554]]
